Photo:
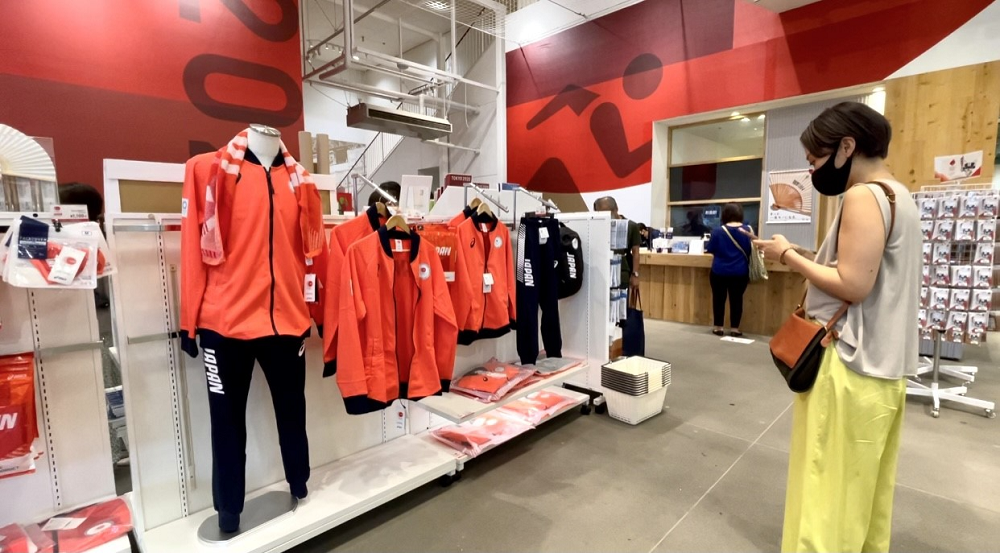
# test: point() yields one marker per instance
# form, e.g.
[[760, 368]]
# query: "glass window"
[[737, 137], [716, 181], [696, 220], [712, 163]]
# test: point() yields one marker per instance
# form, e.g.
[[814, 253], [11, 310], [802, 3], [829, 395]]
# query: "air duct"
[[392, 121]]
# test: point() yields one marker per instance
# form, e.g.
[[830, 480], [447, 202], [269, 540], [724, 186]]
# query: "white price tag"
[[543, 235], [449, 276], [309, 289], [487, 283], [62, 523], [398, 246]]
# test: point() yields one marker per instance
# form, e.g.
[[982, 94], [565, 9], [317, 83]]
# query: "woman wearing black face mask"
[[846, 431]]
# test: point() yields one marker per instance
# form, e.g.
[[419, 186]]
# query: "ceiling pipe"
[[370, 11]]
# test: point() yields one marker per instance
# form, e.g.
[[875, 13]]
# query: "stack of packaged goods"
[[482, 433], [492, 381], [79, 530], [537, 407]]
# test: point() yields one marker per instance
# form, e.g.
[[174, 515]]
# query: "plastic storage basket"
[[635, 388]]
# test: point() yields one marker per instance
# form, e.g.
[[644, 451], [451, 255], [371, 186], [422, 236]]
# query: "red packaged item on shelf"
[[82, 529], [18, 424], [13, 539], [476, 436], [491, 381], [537, 407]]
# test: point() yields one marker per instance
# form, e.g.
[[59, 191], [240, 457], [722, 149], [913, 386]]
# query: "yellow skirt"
[[842, 467]]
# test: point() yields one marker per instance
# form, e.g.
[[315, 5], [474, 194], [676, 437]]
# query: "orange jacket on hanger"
[[259, 289], [461, 217], [341, 238], [397, 335], [484, 248]]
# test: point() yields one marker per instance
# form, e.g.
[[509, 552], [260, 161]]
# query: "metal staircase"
[[469, 50]]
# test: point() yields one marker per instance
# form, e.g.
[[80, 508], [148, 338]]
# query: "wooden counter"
[[675, 287]]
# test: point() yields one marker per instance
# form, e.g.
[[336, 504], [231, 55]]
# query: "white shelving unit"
[[60, 327], [458, 408], [359, 462], [338, 493]]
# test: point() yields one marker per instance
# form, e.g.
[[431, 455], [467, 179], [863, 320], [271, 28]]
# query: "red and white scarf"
[[225, 168]]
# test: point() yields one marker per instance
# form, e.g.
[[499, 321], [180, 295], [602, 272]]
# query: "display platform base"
[[338, 492], [256, 512]]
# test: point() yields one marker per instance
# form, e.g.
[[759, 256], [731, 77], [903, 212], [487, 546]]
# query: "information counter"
[[675, 287]]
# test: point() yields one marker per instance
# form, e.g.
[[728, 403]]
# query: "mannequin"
[[264, 142], [260, 204]]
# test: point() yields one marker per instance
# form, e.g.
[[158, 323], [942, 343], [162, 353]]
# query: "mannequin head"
[[264, 142]]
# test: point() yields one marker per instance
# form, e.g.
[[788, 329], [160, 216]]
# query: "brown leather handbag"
[[798, 346]]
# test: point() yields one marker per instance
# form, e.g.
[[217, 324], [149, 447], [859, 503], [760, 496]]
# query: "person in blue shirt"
[[730, 274]]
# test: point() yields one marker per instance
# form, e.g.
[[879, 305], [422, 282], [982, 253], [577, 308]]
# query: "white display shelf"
[[119, 545], [459, 408], [578, 400], [338, 492]]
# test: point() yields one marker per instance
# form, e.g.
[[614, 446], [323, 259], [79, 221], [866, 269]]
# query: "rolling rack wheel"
[[991, 414], [935, 413], [585, 409], [601, 409], [449, 479]]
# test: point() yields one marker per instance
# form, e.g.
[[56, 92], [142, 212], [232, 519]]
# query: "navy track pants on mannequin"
[[229, 367], [538, 286]]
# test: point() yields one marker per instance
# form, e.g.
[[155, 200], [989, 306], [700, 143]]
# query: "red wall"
[[154, 80], [581, 103]]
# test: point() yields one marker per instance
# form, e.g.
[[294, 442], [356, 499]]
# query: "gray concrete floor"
[[707, 475]]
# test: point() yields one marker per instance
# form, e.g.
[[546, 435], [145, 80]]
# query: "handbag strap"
[[745, 254], [635, 300]]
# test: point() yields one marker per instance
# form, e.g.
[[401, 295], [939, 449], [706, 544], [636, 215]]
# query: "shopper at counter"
[[846, 430], [730, 273], [630, 256]]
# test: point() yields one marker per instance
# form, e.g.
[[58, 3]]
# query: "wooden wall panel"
[[942, 113], [682, 294]]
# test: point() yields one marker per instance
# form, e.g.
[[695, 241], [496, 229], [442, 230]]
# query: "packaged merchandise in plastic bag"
[[82, 529], [554, 365], [40, 255], [18, 424], [476, 436], [13, 539], [537, 407], [492, 381]]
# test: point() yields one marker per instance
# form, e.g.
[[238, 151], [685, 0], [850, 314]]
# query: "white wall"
[[633, 202]]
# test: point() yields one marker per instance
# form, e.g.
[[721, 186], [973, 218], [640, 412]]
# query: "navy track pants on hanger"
[[229, 367], [538, 286]]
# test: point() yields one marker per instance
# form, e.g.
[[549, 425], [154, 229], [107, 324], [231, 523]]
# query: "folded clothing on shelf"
[[537, 407], [476, 436], [13, 539], [554, 365], [82, 529], [492, 381], [17, 415]]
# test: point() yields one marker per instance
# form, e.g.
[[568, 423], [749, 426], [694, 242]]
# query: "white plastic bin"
[[641, 388]]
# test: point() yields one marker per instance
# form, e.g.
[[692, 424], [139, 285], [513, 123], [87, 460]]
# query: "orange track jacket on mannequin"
[[259, 289], [484, 248], [397, 333], [341, 238]]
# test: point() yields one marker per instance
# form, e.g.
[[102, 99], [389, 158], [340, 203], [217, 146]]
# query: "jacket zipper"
[[486, 269], [270, 242]]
